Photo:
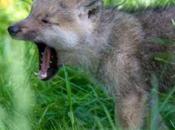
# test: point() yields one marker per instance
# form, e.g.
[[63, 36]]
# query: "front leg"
[[129, 110], [130, 92], [123, 74]]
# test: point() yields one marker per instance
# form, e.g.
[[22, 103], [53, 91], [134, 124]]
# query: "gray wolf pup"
[[112, 45]]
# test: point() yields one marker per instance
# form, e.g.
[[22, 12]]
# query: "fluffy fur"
[[112, 45]]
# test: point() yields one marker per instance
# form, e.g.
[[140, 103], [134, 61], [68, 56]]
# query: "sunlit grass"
[[16, 94], [5, 3], [21, 89]]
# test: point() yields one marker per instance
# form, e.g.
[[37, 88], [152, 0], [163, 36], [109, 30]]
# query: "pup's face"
[[57, 25]]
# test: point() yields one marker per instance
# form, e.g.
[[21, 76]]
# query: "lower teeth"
[[43, 75]]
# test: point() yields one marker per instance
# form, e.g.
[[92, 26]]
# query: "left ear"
[[91, 9]]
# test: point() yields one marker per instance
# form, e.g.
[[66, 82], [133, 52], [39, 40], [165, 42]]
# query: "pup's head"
[[57, 25]]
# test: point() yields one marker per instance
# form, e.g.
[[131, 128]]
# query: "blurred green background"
[[71, 101]]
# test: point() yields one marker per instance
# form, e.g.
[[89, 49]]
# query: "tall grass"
[[71, 100]]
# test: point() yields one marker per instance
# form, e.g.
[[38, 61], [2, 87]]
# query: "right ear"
[[91, 9]]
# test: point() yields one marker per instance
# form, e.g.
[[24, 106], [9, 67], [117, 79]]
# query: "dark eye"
[[45, 21]]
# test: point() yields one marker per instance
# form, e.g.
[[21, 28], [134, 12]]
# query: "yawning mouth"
[[48, 61]]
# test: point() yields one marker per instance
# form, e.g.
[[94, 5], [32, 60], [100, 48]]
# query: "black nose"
[[13, 30]]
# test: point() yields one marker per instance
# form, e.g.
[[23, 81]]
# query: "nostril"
[[13, 30]]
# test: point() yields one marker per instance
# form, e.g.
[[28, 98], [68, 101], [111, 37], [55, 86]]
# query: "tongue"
[[43, 74]]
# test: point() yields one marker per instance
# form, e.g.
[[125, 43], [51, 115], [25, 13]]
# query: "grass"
[[71, 101]]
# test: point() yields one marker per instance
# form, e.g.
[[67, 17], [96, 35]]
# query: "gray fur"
[[114, 51]]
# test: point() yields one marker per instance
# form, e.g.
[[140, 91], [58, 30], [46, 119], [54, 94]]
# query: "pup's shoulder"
[[119, 18]]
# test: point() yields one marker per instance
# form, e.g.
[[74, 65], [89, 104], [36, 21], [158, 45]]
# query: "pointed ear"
[[91, 9]]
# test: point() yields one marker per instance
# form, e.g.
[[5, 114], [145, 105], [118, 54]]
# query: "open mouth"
[[48, 61]]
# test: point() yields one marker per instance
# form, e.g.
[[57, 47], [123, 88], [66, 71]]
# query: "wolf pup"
[[104, 42]]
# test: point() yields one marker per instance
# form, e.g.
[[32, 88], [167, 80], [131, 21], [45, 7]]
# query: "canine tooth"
[[43, 75]]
